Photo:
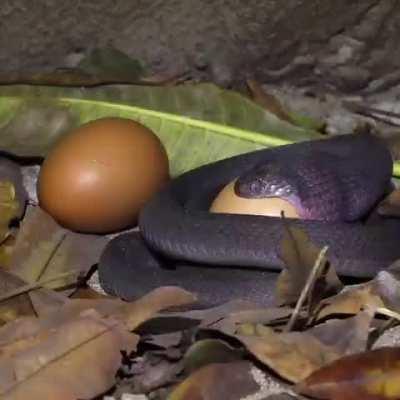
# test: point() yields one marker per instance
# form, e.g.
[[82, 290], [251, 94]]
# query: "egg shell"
[[97, 178], [227, 201]]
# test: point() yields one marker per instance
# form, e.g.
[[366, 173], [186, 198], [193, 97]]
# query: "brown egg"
[[97, 178], [227, 201]]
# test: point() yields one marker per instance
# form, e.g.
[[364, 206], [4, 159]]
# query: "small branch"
[[307, 287]]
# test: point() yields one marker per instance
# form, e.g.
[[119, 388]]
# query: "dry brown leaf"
[[211, 315], [293, 355], [131, 314], [390, 205], [12, 206], [76, 360], [299, 254], [88, 293], [387, 284], [44, 249], [17, 306], [13, 195], [267, 100], [371, 375], [74, 352], [159, 299], [230, 323], [230, 381], [7, 248], [36, 241], [209, 351], [350, 301], [32, 303], [354, 333], [46, 300]]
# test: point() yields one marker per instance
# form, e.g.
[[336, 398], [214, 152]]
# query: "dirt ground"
[[350, 46]]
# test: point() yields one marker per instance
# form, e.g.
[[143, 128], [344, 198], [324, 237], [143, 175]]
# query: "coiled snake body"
[[350, 174]]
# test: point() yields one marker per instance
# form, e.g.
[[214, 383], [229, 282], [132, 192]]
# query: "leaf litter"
[[60, 340]]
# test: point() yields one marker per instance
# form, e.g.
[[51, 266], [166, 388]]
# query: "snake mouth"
[[228, 202], [271, 188]]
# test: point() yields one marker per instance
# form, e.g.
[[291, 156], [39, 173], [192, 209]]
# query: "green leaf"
[[198, 124], [111, 63]]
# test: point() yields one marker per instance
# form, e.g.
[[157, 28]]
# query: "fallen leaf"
[[36, 123], [350, 301], [292, 355], [101, 66], [371, 375], [390, 205], [9, 208], [88, 293], [299, 254], [78, 359], [14, 307], [209, 351], [267, 100], [13, 199], [231, 322], [44, 250], [6, 249], [208, 316], [29, 303], [13, 196], [158, 299], [34, 117], [229, 381], [354, 332], [150, 373], [46, 300], [110, 64], [74, 352], [387, 285]]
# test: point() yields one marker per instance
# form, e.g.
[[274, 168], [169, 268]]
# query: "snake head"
[[265, 180]]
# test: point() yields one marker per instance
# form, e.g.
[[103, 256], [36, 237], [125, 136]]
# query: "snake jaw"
[[265, 181]]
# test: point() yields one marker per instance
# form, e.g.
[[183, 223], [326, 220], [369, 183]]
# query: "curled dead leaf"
[[292, 355], [350, 301], [371, 375], [229, 381], [77, 359], [299, 255], [75, 351]]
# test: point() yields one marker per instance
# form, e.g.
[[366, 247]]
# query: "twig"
[[310, 281], [36, 285], [373, 112], [388, 313]]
